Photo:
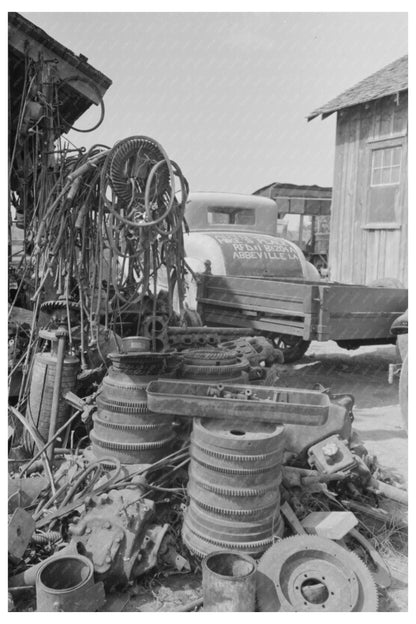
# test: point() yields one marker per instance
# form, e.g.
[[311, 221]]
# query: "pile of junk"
[[144, 446]]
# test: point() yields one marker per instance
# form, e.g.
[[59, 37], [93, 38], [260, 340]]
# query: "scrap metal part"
[[119, 535], [311, 573]]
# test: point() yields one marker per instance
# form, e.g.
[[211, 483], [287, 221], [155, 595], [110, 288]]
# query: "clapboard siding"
[[358, 254]]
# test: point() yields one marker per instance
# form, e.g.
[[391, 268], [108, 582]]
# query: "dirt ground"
[[364, 374]]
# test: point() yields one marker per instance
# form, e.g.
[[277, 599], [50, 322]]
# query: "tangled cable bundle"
[[108, 234]]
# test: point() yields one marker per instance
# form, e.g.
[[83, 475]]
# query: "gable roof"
[[387, 81]]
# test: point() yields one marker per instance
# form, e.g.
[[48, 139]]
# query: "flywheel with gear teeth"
[[311, 573]]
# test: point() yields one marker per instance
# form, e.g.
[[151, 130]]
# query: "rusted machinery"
[[123, 426], [119, 535], [234, 479], [311, 573], [214, 365]]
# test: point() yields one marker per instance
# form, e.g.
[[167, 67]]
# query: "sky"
[[227, 94]]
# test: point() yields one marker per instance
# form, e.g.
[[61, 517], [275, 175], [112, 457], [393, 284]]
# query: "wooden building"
[[369, 220]]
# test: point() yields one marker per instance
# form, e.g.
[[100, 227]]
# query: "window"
[[384, 182], [231, 216], [385, 167]]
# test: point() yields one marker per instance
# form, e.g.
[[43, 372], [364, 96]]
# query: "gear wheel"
[[311, 573], [59, 304]]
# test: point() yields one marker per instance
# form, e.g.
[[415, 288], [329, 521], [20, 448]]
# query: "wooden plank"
[[214, 316]]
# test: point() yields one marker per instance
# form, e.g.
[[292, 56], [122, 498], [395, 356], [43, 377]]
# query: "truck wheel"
[[293, 347], [403, 392]]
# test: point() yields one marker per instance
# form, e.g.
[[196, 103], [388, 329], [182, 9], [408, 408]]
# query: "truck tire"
[[403, 383], [292, 347]]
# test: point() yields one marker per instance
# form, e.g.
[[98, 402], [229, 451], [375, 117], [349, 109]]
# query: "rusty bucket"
[[229, 582], [62, 583]]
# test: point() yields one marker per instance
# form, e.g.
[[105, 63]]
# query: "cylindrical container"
[[60, 580], [229, 582], [216, 365], [135, 344], [234, 481], [39, 404], [124, 428]]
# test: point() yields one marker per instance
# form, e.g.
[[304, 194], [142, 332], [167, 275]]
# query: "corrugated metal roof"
[[387, 81]]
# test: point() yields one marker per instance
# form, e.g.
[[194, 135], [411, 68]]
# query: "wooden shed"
[[369, 220]]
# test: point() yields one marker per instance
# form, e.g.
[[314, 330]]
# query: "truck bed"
[[311, 310]]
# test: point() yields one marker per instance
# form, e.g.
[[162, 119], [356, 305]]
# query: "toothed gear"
[[215, 372], [134, 446], [238, 458], [312, 573], [125, 426], [225, 491], [123, 406], [235, 471], [258, 512], [197, 356], [200, 546], [59, 304]]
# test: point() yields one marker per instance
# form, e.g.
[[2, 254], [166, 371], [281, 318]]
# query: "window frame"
[[384, 167], [373, 145]]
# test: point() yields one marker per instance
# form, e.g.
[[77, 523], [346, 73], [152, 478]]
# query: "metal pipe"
[[53, 439], [61, 335]]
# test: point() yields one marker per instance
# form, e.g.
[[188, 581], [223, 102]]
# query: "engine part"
[[234, 479], [41, 395], [118, 535], [199, 337], [299, 438], [331, 455], [229, 582], [257, 350], [66, 583], [20, 530], [123, 425], [214, 365], [311, 573], [226, 401]]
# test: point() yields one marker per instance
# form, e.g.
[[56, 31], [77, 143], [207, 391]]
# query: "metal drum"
[[234, 480], [229, 582], [39, 405], [62, 582], [124, 428]]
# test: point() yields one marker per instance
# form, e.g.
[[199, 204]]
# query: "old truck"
[[246, 276]]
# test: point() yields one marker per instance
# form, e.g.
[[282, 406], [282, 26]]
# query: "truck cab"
[[235, 235]]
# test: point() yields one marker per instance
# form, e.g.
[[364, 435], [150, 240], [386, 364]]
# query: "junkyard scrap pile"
[[143, 446]]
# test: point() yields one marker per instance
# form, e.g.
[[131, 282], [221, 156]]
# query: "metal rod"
[[53, 439], [61, 334]]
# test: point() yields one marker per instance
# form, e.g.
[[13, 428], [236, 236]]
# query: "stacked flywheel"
[[123, 426], [234, 479], [214, 365]]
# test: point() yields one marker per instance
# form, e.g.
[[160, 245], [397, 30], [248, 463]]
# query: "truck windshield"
[[228, 215]]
